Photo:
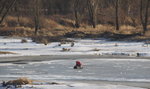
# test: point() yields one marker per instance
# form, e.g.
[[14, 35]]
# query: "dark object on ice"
[[4, 84], [9, 87], [59, 44], [54, 83], [138, 54], [72, 44], [78, 65], [24, 41], [65, 49]]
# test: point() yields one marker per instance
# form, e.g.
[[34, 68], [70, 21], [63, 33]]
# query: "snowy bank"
[[81, 47], [73, 86]]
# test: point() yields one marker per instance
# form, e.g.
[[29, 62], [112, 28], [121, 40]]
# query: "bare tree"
[[114, 12], [5, 12], [144, 16], [76, 13], [92, 9], [79, 10], [37, 15], [132, 11], [17, 8], [3, 4], [117, 14]]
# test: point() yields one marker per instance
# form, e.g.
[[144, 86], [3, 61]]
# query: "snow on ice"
[[73, 86], [81, 47]]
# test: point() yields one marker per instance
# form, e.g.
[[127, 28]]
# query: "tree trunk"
[[92, 9], [144, 20], [77, 23], [2, 7], [146, 16], [17, 12], [117, 15], [76, 13], [6, 12], [36, 16]]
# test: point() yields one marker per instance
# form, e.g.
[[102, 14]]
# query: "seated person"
[[78, 65]]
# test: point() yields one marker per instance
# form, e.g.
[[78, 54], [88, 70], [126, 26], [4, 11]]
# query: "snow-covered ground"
[[93, 75], [121, 70], [81, 47], [74, 86]]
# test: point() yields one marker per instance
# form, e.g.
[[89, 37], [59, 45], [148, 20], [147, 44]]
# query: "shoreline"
[[62, 57], [100, 82]]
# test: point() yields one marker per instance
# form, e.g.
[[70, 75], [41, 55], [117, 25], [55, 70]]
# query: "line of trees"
[[114, 12]]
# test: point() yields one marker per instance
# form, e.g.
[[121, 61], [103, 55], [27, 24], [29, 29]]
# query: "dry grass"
[[16, 31], [41, 39], [147, 33], [67, 22], [49, 39], [20, 81], [148, 26], [57, 25], [26, 27], [45, 32], [12, 21], [126, 29], [65, 49], [48, 23], [2, 52], [26, 22], [89, 31]]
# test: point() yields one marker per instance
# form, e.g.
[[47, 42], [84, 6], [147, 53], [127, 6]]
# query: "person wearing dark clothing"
[[78, 65]]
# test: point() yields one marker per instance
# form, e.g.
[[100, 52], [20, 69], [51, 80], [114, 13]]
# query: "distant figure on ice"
[[78, 65]]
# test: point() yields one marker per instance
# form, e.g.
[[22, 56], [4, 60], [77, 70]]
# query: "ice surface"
[[95, 69], [82, 47], [74, 86]]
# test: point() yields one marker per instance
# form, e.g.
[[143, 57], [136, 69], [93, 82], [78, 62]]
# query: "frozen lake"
[[120, 65], [104, 69]]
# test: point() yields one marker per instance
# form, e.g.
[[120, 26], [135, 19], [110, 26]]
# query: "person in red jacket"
[[78, 65]]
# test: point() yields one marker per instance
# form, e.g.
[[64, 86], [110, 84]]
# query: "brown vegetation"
[[2, 52], [20, 81], [49, 39], [24, 41], [65, 49], [75, 18]]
